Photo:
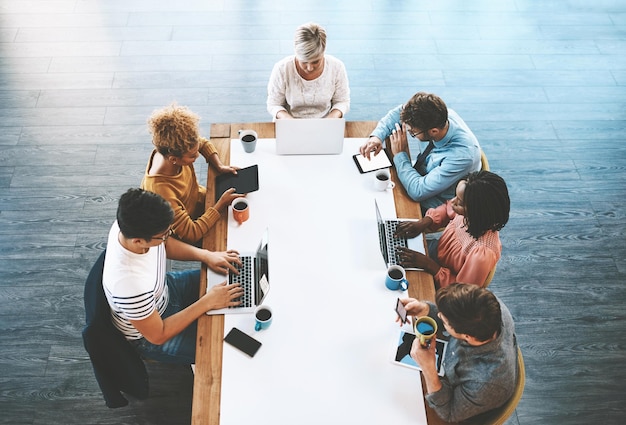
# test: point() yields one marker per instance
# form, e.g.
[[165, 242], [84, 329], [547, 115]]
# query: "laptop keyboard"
[[244, 278], [392, 241]]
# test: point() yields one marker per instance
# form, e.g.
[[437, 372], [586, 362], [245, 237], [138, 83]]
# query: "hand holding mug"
[[425, 328]]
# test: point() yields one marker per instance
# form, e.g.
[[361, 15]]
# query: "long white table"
[[327, 356], [313, 379]]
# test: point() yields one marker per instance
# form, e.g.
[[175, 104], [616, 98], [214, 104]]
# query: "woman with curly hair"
[[170, 171], [469, 247]]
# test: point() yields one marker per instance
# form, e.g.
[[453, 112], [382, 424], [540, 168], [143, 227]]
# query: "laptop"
[[310, 136], [388, 242], [253, 277]]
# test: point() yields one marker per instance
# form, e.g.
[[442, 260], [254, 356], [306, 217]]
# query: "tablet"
[[376, 162], [245, 181], [402, 357]]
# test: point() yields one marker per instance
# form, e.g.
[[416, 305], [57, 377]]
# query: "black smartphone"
[[242, 341], [401, 310]]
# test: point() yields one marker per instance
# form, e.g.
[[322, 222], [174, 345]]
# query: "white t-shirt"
[[287, 90], [134, 284]]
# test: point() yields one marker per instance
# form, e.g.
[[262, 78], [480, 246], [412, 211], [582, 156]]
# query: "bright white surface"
[[326, 357]]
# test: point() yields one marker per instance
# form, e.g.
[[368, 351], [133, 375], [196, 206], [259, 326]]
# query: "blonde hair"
[[174, 130], [309, 42]]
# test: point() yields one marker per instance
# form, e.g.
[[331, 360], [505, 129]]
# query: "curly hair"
[[425, 111], [174, 130], [487, 203]]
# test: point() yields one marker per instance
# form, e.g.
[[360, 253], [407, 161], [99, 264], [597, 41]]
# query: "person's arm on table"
[[276, 93], [426, 358], [208, 151], [159, 331], [340, 102], [220, 262], [383, 129]]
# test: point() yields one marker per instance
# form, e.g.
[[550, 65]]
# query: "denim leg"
[[183, 289]]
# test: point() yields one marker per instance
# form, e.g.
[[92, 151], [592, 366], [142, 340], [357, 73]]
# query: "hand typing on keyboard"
[[222, 296], [222, 262], [409, 258], [411, 229]]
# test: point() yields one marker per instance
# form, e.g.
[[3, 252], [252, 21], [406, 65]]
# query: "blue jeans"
[[184, 289]]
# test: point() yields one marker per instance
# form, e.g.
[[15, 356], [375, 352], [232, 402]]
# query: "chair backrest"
[[490, 276], [484, 163], [500, 415], [118, 367]]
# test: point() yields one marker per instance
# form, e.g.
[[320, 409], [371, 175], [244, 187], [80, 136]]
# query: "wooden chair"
[[501, 414], [490, 276], [484, 163]]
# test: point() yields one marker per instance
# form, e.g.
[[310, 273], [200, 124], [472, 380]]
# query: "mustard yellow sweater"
[[187, 197]]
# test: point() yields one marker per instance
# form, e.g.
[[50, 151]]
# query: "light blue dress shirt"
[[452, 158]]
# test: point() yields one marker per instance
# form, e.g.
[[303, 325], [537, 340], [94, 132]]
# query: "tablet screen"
[[376, 162]]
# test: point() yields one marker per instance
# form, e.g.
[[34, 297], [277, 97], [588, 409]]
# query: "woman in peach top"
[[469, 247]]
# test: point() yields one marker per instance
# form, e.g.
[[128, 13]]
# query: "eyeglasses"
[[415, 134], [165, 237]]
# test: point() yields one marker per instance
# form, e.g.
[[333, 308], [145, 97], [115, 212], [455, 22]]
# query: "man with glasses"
[[157, 311], [449, 150]]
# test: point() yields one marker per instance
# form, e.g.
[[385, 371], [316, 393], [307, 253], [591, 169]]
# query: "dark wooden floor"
[[542, 84]]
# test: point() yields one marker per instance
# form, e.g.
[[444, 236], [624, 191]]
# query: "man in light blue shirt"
[[453, 152]]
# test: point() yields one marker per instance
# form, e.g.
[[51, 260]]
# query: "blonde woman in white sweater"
[[310, 83]]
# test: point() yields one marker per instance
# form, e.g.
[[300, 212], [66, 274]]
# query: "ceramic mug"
[[425, 328], [241, 210], [248, 140], [263, 317], [396, 278], [382, 180]]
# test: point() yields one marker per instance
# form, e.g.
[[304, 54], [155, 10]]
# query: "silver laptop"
[[253, 277], [310, 136], [389, 243]]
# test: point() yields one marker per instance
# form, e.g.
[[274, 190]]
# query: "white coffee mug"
[[248, 140], [382, 180]]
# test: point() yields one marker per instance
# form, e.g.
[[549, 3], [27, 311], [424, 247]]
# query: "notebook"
[[310, 136], [389, 243], [253, 277]]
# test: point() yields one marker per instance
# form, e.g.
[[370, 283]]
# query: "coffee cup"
[[241, 210], [396, 278], [263, 317], [248, 140], [425, 328], [382, 180]]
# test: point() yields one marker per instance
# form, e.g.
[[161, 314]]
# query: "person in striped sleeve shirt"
[[157, 310]]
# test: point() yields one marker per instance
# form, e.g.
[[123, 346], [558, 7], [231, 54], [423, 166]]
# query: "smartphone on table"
[[242, 341]]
